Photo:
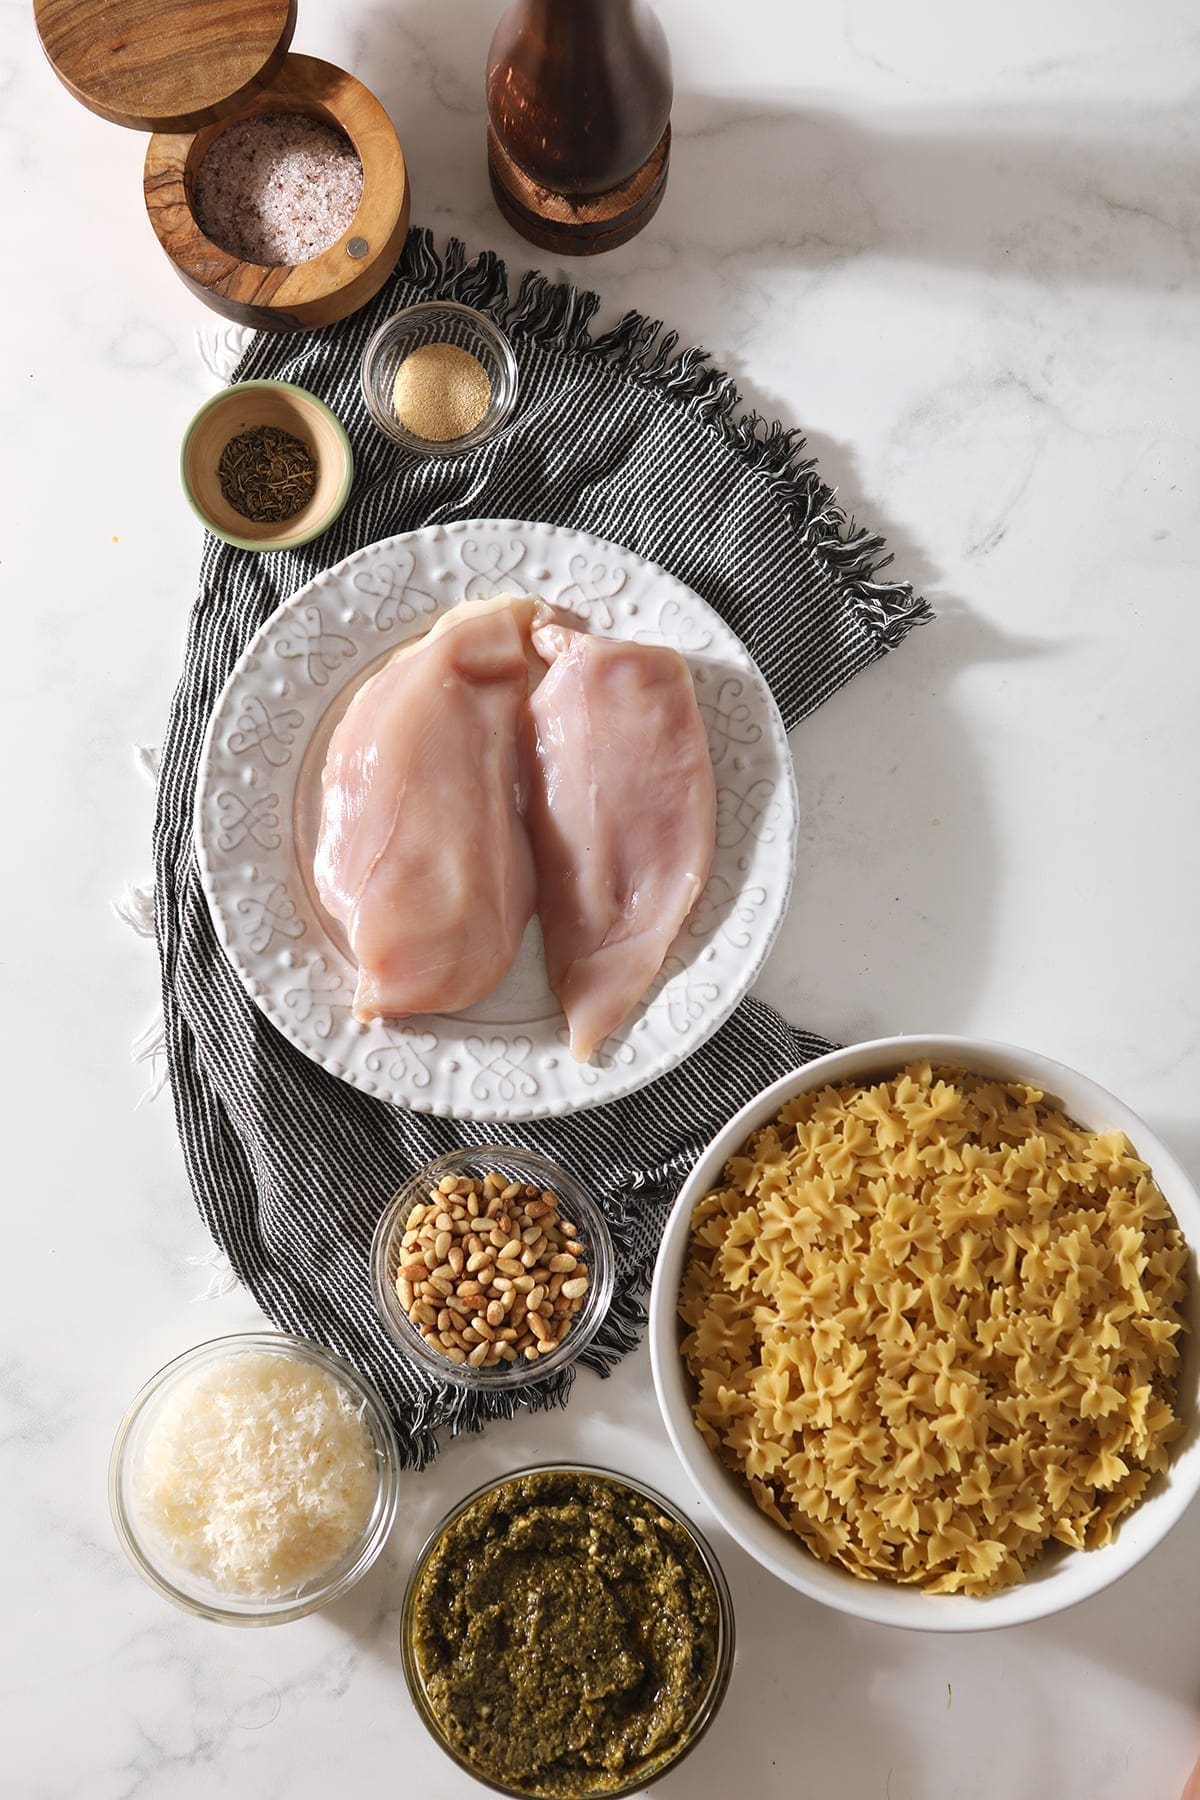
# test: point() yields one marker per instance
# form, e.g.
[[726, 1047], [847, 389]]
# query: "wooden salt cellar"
[[340, 279], [579, 136], [183, 69]]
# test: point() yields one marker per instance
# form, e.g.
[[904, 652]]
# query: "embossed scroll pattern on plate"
[[507, 1057]]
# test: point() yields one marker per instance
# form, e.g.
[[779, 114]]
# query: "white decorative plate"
[[507, 1057]]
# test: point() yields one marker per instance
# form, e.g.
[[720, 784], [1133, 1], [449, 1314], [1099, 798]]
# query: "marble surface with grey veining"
[[961, 246]]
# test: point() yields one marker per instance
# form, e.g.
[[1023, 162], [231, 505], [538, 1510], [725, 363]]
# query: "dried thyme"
[[267, 475]]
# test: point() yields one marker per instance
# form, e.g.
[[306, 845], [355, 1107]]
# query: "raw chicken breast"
[[422, 854], [622, 816]]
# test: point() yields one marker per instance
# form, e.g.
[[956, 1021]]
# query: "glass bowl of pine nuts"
[[492, 1268]]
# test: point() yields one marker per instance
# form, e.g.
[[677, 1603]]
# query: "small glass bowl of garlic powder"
[[439, 378], [254, 1479]]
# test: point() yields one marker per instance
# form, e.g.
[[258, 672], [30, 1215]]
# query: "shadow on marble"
[[793, 1725], [1138, 1627], [1182, 1136], [1063, 193], [898, 870]]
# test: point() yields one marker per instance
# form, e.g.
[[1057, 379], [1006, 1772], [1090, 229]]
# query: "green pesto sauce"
[[566, 1632]]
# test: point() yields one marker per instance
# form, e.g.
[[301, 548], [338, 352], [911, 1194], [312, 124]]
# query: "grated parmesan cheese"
[[258, 1473]]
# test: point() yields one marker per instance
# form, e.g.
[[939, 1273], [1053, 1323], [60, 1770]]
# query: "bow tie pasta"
[[932, 1323]]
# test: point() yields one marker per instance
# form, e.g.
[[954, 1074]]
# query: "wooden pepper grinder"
[[579, 134]]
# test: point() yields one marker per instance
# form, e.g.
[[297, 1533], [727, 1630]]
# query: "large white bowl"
[[1063, 1576]]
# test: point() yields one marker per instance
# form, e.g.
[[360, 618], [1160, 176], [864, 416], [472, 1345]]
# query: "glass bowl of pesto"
[[567, 1634], [542, 1204]]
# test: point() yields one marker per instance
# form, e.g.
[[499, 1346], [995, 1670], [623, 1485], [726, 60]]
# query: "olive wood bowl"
[[240, 408], [288, 297]]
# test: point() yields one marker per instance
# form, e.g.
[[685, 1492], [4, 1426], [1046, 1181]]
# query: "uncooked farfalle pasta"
[[933, 1324]]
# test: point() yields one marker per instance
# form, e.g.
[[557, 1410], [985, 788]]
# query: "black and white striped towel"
[[624, 435]]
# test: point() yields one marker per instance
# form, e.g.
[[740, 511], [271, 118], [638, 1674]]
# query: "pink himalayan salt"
[[278, 188]]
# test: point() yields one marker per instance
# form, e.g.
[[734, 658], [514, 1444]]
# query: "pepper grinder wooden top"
[[579, 135]]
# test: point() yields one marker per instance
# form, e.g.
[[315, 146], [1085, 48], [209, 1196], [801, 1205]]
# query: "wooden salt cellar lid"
[[165, 65]]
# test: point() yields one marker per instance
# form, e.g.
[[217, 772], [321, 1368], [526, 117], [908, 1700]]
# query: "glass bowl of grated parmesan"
[[254, 1479]]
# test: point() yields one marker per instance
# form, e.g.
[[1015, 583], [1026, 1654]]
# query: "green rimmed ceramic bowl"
[[241, 408]]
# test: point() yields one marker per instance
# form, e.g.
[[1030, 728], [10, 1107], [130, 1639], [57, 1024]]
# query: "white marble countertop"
[[961, 245]]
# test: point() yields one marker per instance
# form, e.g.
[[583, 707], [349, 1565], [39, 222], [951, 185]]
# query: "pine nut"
[[488, 1271]]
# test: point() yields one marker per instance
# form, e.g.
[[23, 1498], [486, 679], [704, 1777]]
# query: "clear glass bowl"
[[705, 1712], [193, 1593], [438, 322], [518, 1165]]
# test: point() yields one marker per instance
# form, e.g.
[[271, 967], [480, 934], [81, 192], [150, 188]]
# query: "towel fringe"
[[135, 908], [149, 760], [557, 315], [149, 1047], [221, 1278]]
